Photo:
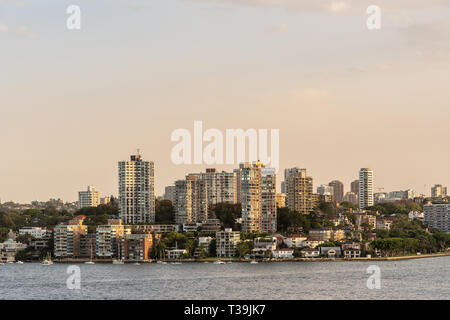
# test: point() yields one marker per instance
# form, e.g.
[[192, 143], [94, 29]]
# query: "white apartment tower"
[[365, 188], [89, 198], [136, 191]]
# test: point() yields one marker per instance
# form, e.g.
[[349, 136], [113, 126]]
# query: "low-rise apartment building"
[[437, 216], [364, 218], [226, 243], [35, 232], [108, 238], [384, 224], [135, 246], [327, 234], [67, 237], [295, 241]]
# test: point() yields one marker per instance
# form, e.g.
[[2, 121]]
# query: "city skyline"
[[204, 169], [343, 97]]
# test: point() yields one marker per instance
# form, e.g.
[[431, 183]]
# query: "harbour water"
[[406, 279]]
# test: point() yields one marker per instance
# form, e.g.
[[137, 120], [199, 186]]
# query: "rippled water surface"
[[407, 279]]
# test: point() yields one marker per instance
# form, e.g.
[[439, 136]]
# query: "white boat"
[[163, 262], [175, 263], [253, 262], [2, 264], [219, 262], [117, 262], [10, 262], [19, 262], [48, 261], [137, 264]]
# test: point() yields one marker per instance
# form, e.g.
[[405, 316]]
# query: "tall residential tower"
[[365, 188], [300, 195], [256, 187], [136, 191]]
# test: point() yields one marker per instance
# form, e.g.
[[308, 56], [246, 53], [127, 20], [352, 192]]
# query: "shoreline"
[[396, 258]]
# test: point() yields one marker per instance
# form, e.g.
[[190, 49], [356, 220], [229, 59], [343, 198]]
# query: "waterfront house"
[[173, 254], [284, 253], [295, 241], [330, 252], [311, 243], [310, 253], [351, 253]]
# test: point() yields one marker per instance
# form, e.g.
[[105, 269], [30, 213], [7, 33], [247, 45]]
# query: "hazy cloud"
[[335, 6], [26, 32], [3, 28], [278, 28]]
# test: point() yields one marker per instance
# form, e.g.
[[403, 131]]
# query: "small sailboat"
[[163, 258], [137, 264], [253, 262], [219, 262], [48, 261], [90, 260], [19, 262]]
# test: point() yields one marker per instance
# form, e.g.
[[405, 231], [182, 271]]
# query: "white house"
[[36, 232], [284, 253], [310, 253], [295, 241], [174, 253], [330, 252]]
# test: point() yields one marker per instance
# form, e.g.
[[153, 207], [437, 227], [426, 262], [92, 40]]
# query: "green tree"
[[164, 212], [244, 247]]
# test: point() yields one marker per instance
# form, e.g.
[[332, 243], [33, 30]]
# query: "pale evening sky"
[[74, 103]]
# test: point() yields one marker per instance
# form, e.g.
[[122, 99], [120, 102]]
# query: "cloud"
[[16, 3], [278, 28], [338, 7], [26, 32], [3, 28], [335, 6], [428, 40]]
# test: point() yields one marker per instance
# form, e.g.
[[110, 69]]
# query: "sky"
[[75, 102]]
